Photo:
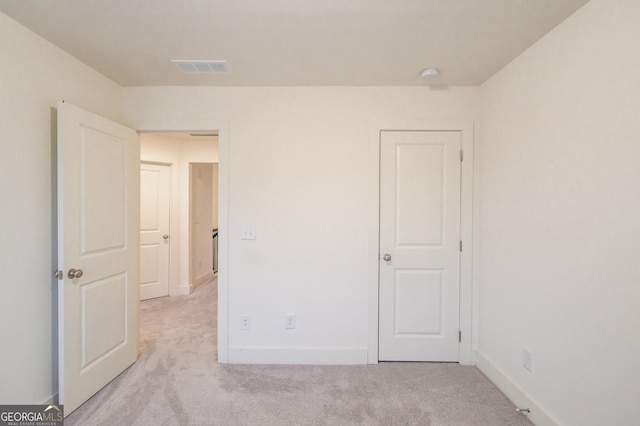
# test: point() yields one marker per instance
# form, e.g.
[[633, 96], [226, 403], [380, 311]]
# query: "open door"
[[98, 243]]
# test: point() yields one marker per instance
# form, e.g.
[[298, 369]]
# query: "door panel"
[[420, 230], [98, 220], [103, 301], [154, 226], [419, 195], [418, 297], [103, 207]]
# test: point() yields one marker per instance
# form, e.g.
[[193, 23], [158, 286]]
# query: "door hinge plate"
[[459, 335], [460, 245], [461, 155]]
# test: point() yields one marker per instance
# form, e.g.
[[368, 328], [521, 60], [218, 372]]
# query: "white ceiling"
[[294, 42]]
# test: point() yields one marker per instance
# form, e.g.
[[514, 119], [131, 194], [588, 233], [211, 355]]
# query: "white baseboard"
[[206, 277], [306, 356], [51, 400], [539, 416]]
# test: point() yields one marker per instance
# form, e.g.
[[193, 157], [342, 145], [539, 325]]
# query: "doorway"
[[188, 155], [204, 128], [110, 199]]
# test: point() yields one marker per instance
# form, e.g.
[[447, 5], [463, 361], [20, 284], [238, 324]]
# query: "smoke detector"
[[429, 73]]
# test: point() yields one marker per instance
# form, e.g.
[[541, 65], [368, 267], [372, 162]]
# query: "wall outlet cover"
[[245, 322], [290, 321]]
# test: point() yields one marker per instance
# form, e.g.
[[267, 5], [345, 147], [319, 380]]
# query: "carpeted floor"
[[177, 381]]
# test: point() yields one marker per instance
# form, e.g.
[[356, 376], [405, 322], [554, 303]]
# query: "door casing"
[[467, 303]]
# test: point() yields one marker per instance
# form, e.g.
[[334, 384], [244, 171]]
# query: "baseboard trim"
[[299, 356], [539, 415], [206, 277], [52, 399]]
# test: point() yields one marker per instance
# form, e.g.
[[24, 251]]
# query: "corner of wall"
[[538, 414]]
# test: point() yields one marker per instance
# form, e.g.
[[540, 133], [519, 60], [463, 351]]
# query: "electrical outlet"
[[245, 322], [527, 360], [290, 321]]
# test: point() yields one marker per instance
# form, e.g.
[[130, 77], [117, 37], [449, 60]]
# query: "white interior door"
[[419, 245], [155, 181], [98, 220]]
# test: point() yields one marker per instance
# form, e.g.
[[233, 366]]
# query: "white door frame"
[[204, 126], [466, 231]]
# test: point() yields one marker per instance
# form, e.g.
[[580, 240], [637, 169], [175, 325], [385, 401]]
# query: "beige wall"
[[558, 214], [299, 170], [559, 220], [201, 255], [34, 75]]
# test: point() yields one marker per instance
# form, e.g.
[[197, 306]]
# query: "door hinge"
[[461, 155], [460, 245], [459, 336], [58, 274]]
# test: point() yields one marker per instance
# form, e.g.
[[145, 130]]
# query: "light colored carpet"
[[177, 381]]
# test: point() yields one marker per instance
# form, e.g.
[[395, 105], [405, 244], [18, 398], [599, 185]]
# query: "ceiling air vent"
[[202, 66]]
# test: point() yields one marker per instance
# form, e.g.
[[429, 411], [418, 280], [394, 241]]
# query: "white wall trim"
[[223, 243], [198, 281], [51, 400], [222, 126], [185, 290], [374, 243], [289, 355], [467, 290], [539, 415]]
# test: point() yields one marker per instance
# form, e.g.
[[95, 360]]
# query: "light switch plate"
[[248, 232]]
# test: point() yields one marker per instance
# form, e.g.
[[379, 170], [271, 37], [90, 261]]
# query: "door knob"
[[74, 273], [165, 236], [386, 257]]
